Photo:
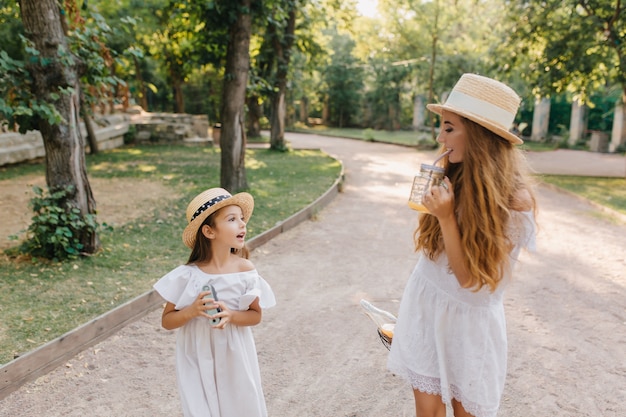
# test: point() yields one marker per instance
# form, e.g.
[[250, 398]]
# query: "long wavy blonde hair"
[[485, 186]]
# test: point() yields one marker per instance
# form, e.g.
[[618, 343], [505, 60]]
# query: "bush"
[[56, 226], [368, 134]]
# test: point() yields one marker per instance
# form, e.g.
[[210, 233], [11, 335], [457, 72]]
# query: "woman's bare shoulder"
[[522, 200]]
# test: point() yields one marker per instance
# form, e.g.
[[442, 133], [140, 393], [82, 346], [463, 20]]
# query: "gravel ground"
[[320, 355]]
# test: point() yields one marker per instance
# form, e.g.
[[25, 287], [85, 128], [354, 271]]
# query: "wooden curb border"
[[42, 360]]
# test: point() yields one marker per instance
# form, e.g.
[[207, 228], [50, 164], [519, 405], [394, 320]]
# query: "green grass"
[[398, 137], [609, 192], [43, 300], [421, 139]]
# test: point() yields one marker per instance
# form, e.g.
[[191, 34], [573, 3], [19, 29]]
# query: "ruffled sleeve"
[[525, 230], [178, 287], [256, 286]]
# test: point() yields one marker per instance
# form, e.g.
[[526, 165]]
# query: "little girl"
[[450, 339], [216, 364]]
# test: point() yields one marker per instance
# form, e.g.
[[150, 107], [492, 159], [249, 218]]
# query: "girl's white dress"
[[217, 369], [451, 341]]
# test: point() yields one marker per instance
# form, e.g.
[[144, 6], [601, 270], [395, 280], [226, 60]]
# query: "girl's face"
[[229, 227], [453, 136]]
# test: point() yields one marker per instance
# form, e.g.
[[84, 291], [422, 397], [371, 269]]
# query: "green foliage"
[[601, 109], [343, 79], [131, 135], [88, 44], [10, 27], [383, 100], [559, 46], [19, 106], [203, 92], [368, 134], [56, 226], [87, 50]]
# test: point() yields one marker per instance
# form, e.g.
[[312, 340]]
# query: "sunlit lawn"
[[609, 192]]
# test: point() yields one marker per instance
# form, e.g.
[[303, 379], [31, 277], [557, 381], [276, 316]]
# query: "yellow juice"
[[418, 207], [388, 329]]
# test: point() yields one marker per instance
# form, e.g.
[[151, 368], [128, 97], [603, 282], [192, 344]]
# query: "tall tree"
[[233, 135], [175, 43], [561, 44], [53, 69], [281, 33], [343, 78], [576, 46]]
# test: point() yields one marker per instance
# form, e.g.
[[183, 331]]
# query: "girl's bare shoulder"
[[244, 265]]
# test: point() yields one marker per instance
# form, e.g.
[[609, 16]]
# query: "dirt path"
[[319, 354]]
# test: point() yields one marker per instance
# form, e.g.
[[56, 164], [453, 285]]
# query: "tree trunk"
[[65, 150], [304, 110], [431, 75], [277, 121], [91, 134], [142, 93], [326, 111], [431, 81], [255, 112], [282, 51], [177, 89], [233, 133]]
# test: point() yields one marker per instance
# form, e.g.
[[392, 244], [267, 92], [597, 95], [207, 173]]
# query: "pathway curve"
[[320, 355]]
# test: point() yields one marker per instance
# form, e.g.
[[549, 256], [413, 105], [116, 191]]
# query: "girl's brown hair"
[[485, 184], [202, 252]]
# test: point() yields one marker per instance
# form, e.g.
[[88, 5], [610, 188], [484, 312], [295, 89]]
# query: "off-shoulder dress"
[[217, 369]]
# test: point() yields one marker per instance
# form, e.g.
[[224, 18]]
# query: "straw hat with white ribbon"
[[485, 101]]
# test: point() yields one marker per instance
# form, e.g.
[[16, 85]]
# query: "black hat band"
[[207, 205]]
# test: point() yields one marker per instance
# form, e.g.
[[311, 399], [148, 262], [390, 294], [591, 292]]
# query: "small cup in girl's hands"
[[212, 311]]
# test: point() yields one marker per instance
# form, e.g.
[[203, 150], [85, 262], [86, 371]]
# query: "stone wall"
[[110, 131], [170, 127], [15, 147]]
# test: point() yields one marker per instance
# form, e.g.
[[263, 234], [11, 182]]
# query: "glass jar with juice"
[[428, 176]]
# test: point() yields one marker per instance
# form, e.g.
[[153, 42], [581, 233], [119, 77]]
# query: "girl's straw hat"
[[208, 202], [485, 101]]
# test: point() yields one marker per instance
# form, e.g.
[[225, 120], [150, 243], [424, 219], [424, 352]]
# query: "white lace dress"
[[451, 341], [217, 369]]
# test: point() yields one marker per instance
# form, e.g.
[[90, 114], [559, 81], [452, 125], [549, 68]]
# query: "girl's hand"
[[249, 317], [440, 200], [225, 315], [201, 304]]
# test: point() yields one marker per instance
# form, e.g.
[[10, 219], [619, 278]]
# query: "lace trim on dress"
[[428, 385], [472, 408], [431, 385]]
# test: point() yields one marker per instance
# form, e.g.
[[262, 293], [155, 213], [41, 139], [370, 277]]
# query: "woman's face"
[[453, 136]]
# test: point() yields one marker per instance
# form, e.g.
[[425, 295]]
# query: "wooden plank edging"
[[42, 360]]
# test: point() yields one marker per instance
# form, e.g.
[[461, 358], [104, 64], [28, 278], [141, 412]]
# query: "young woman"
[[450, 340], [216, 361]]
